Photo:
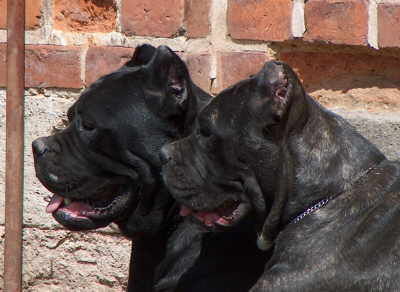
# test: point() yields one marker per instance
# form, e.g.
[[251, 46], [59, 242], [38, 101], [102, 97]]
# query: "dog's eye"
[[175, 89], [88, 126], [204, 132], [271, 132], [267, 131]]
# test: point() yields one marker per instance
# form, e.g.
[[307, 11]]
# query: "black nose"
[[165, 154], [39, 147]]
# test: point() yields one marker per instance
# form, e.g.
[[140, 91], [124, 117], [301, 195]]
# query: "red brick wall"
[[333, 44]]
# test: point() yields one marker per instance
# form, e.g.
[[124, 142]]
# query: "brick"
[[104, 60], [52, 66], [319, 67], [3, 14], [342, 79], [152, 18], [199, 67], [197, 21], [389, 25], [268, 20], [85, 15], [33, 14], [3, 64], [235, 66], [337, 21]]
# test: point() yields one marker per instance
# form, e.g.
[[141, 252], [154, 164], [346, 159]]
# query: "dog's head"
[[255, 144], [218, 172], [105, 164]]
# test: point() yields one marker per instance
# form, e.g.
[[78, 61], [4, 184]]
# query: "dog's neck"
[[328, 156]]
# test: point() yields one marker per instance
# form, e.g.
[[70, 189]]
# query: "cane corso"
[[105, 167], [325, 200]]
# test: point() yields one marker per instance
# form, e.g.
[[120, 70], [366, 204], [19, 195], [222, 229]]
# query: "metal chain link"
[[325, 201], [311, 209]]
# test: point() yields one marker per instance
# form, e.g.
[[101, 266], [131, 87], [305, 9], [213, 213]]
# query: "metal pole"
[[14, 145]]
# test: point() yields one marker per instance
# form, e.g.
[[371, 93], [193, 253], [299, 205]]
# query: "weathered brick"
[[337, 21], [3, 64], [104, 60], [317, 68], [339, 79], [52, 66], [234, 66], [152, 18], [197, 21], [85, 15], [199, 68], [33, 14], [389, 25], [268, 20], [3, 14]]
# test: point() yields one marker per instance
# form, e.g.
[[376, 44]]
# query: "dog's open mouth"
[[77, 214], [227, 214]]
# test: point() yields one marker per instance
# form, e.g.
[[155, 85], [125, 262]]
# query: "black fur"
[[111, 146]]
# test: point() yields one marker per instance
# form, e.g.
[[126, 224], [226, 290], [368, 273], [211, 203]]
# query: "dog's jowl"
[[324, 199]]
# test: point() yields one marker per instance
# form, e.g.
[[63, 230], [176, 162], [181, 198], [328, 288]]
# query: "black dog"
[[324, 197], [105, 167]]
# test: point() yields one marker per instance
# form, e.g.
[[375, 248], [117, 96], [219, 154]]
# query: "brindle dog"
[[326, 201]]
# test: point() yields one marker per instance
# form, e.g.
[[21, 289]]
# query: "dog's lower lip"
[[89, 208], [226, 215]]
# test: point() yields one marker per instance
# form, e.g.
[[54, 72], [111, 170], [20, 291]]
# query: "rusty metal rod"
[[14, 145]]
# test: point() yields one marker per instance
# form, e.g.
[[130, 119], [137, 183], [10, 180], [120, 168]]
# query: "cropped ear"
[[141, 56], [277, 87], [281, 101], [170, 74]]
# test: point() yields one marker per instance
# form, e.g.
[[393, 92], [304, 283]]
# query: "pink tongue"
[[54, 204], [210, 218], [207, 217], [78, 209]]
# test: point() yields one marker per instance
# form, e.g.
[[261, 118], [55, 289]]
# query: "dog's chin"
[[226, 216], [93, 213], [80, 223], [225, 211]]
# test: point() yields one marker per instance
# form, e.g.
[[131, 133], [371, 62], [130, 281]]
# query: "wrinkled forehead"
[[113, 89], [226, 108], [111, 96]]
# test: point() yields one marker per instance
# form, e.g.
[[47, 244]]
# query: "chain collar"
[[311, 209], [325, 201]]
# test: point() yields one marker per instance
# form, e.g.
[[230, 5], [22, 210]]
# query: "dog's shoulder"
[[352, 237]]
